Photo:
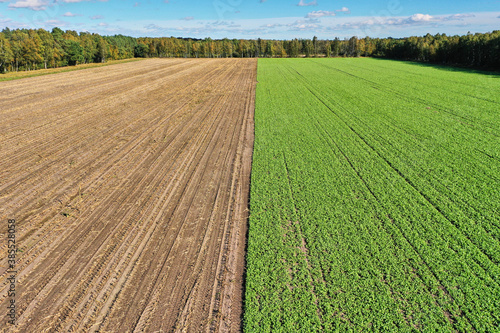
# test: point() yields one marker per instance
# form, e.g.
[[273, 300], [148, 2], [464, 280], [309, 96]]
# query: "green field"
[[375, 198]]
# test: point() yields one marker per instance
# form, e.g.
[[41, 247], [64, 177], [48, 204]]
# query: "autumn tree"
[[328, 49], [196, 49], [32, 50], [353, 47], [6, 55], [16, 44], [315, 46], [336, 47], [102, 49], [294, 48], [308, 48], [48, 46], [89, 47], [242, 48]]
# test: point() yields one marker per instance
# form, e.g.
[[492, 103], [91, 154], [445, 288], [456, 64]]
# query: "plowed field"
[[129, 186]]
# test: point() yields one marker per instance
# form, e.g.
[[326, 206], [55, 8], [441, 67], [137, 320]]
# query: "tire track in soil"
[[130, 187]]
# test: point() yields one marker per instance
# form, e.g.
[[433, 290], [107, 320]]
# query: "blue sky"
[[273, 19]]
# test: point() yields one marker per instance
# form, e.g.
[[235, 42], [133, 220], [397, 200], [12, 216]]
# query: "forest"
[[28, 49]]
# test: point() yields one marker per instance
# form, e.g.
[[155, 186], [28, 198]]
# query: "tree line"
[[28, 49]]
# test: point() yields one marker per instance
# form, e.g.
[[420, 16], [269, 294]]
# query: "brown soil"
[[129, 185]]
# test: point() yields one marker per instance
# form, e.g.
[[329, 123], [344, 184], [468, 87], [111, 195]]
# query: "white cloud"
[[188, 18], [29, 4], [97, 17], [102, 24], [70, 1], [420, 18], [426, 18], [298, 25], [221, 23], [410, 25], [458, 17], [221, 26], [320, 13], [272, 25], [303, 25], [70, 14], [323, 13], [343, 10], [302, 3], [152, 27], [200, 28], [137, 4], [325, 27], [55, 23]]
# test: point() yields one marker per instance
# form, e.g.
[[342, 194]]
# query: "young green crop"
[[374, 198]]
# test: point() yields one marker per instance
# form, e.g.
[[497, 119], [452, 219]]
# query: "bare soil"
[[129, 185]]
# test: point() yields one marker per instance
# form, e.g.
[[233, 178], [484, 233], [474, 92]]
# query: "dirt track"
[[129, 185]]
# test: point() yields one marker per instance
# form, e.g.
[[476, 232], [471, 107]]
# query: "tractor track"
[[129, 184]]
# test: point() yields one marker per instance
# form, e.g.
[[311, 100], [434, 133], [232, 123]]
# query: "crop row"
[[374, 198]]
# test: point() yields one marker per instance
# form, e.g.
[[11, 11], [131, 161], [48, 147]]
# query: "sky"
[[249, 19]]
